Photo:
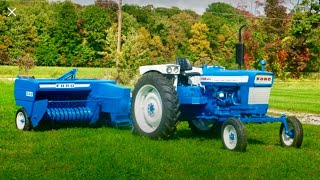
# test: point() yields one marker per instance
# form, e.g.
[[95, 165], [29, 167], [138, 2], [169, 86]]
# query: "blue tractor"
[[207, 97]]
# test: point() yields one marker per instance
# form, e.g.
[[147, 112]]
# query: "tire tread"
[[169, 97]]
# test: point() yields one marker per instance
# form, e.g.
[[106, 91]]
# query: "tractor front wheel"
[[233, 135], [155, 107], [22, 121], [295, 136]]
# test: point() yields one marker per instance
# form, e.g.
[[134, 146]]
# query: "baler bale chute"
[[70, 100]]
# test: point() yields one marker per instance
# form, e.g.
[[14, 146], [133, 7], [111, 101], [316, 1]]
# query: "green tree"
[[3, 7], [306, 26], [180, 33], [140, 13], [46, 52], [20, 36], [168, 12], [110, 47], [298, 55], [135, 52], [92, 23], [254, 39], [223, 22], [199, 45], [5, 40], [275, 26], [277, 18], [66, 37]]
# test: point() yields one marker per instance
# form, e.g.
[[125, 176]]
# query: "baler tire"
[[22, 118], [155, 107], [233, 135], [295, 127]]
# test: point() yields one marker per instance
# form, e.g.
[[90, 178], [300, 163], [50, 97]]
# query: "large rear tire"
[[296, 130], [233, 135], [155, 107]]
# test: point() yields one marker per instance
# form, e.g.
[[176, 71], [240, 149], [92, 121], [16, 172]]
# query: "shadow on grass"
[[255, 141], [47, 126], [180, 134], [188, 134]]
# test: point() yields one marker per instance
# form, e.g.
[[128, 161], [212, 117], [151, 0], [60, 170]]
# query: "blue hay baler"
[[70, 100]]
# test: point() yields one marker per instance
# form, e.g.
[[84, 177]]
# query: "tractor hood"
[[217, 74]]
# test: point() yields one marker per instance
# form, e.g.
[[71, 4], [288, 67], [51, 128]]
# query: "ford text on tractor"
[[207, 97]]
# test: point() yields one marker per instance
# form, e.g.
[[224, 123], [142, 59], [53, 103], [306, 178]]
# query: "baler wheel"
[[22, 121], [155, 107], [233, 135], [296, 130]]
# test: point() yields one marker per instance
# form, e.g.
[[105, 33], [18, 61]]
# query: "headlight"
[[220, 95], [176, 70], [169, 70]]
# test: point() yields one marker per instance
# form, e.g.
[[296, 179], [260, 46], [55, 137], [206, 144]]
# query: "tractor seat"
[[185, 65]]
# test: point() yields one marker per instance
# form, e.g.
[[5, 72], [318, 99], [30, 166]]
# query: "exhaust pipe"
[[240, 49]]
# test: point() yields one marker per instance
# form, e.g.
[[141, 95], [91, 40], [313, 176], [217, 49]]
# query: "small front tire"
[[296, 131], [23, 123], [233, 135]]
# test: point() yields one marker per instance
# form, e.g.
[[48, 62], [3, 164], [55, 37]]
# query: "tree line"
[[68, 34]]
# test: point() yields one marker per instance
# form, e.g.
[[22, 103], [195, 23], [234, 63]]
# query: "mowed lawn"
[[55, 72], [302, 96], [110, 153]]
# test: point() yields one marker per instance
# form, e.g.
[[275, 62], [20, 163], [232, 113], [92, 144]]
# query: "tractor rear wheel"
[[22, 121], [155, 107], [296, 131], [233, 135]]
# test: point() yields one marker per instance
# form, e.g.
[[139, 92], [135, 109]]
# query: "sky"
[[198, 6]]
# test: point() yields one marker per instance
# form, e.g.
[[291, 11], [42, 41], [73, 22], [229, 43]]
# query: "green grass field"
[[302, 96], [110, 153], [54, 72]]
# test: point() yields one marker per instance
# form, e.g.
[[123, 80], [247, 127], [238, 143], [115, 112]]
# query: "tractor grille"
[[259, 95]]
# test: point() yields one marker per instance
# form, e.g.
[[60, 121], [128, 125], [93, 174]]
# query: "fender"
[[173, 69]]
